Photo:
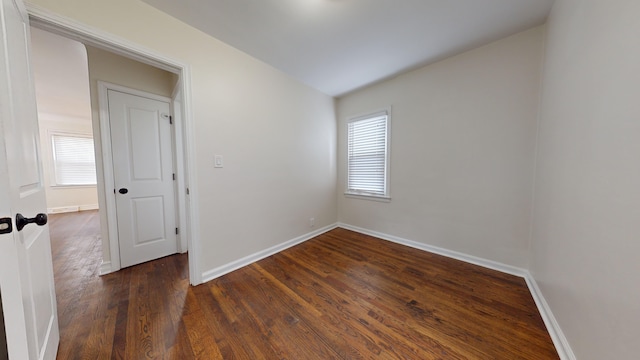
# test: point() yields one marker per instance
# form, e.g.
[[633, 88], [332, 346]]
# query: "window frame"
[[54, 167], [386, 197]]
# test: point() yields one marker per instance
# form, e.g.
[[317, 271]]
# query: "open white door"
[[26, 272], [143, 176]]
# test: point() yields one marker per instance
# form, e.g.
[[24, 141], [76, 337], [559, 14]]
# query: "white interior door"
[[143, 177], [26, 272]]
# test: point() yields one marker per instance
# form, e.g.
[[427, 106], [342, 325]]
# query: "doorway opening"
[[104, 43], [69, 77]]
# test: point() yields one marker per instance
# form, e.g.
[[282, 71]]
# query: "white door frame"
[[108, 168], [186, 164], [179, 158]]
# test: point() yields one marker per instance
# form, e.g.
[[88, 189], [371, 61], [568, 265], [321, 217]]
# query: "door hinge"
[[177, 231], [174, 177], [187, 191]]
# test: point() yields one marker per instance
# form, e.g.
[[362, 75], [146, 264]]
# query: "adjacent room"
[[357, 179]]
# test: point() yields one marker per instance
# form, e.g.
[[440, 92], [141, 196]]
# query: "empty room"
[[408, 179]]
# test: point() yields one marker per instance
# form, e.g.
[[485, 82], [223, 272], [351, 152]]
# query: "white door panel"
[[143, 165], [149, 210], [26, 271], [145, 137]]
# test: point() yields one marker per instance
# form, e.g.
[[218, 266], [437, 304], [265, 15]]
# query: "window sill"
[[55, 186], [368, 197]]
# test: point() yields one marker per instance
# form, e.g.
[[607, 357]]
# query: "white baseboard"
[[62, 209], [490, 264], [235, 265], [88, 207], [557, 336], [105, 268], [555, 332], [74, 208]]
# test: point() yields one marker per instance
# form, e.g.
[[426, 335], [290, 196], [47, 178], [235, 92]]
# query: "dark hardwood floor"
[[341, 295]]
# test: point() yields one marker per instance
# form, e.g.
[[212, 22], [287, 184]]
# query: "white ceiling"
[[61, 75], [337, 46]]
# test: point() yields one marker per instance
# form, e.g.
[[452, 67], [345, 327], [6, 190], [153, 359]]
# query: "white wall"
[[463, 139], [462, 151], [61, 198], [110, 67], [116, 69], [277, 135], [62, 91], [585, 252], [61, 75]]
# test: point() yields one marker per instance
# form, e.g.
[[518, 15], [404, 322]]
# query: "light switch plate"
[[217, 162]]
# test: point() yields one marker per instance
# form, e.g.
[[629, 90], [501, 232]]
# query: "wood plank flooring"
[[341, 295]]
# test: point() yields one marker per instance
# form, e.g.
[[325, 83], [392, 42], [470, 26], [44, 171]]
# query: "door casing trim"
[[108, 164]]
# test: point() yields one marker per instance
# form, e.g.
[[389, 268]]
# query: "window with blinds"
[[367, 152], [73, 160]]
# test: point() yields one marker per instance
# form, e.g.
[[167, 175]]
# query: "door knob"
[[5, 225], [22, 221], [123, 190]]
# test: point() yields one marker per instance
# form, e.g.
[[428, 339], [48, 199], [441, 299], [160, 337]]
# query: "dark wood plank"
[[341, 295]]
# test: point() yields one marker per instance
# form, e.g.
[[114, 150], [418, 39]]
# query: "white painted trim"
[[105, 268], [490, 264], [181, 218], [62, 209], [368, 197], [107, 175], [555, 332], [127, 90], [247, 260], [47, 20], [557, 336], [108, 164], [44, 19], [191, 180], [52, 340], [88, 207], [73, 208]]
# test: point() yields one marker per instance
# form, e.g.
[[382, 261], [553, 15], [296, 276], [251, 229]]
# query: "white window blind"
[[367, 155], [73, 160]]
